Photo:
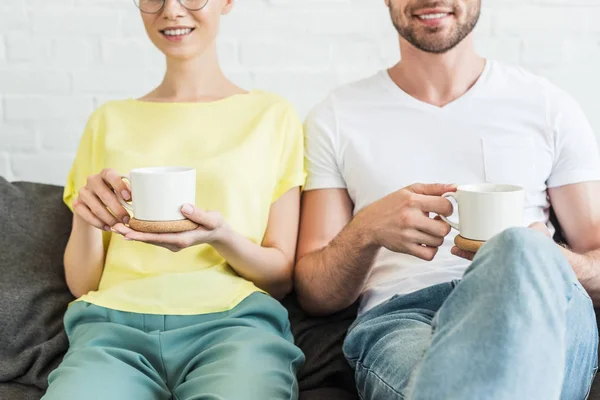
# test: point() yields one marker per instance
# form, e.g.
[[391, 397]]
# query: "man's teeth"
[[433, 16], [177, 32]]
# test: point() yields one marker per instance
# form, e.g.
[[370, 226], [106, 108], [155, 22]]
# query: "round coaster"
[[467, 244], [162, 226]]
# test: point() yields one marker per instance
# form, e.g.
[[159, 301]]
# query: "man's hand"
[[538, 226], [211, 228], [400, 222]]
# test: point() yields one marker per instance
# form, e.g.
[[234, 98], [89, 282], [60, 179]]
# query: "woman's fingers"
[[110, 200], [99, 210], [84, 212], [115, 181]]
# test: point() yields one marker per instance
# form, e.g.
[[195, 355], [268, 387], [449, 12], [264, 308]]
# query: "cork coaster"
[[162, 226], [467, 244]]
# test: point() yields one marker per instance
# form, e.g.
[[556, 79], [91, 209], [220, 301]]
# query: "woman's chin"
[[180, 54]]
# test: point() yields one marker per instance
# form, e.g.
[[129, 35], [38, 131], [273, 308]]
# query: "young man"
[[518, 322]]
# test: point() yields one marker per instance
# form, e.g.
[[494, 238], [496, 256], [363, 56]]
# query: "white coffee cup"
[[158, 193], [486, 209]]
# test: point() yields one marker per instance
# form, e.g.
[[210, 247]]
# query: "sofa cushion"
[[17, 391], [321, 341], [33, 294]]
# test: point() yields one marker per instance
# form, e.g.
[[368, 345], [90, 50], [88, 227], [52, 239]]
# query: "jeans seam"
[[162, 361], [369, 371]]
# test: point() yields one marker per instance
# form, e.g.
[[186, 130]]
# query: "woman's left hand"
[[211, 228]]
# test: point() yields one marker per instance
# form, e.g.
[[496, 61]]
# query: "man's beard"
[[430, 42]]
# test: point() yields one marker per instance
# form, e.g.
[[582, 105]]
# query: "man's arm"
[[577, 207], [330, 272], [336, 252]]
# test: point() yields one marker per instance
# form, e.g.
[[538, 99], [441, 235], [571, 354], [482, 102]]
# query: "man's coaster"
[[162, 226], [467, 244]]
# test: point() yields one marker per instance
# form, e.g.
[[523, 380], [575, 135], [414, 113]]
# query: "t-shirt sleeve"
[[322, 167], [576, 157], [86, 163], [291, 172]]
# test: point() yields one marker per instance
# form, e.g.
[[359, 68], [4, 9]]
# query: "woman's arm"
[[268, 265], [84, 258], [95, 209]]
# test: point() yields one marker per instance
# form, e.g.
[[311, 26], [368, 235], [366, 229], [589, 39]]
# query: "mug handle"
[[455, 225], [125, 204]]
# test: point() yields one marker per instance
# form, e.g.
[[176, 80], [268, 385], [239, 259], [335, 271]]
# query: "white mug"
[[158, 193], [486, 209]]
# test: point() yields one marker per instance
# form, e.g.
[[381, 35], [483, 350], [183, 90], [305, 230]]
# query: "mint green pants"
[[245, 353]]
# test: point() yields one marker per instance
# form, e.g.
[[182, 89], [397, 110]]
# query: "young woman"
[[189, 315]]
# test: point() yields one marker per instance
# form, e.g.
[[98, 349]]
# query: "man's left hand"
[[538, 226]]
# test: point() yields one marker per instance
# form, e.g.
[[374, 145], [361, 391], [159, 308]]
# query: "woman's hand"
[[97, 203], [211, 228]]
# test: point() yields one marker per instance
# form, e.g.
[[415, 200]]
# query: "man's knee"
[[519, 240], [526, 250], [524, 260]]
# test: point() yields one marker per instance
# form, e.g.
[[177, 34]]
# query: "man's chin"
[[434, 46]]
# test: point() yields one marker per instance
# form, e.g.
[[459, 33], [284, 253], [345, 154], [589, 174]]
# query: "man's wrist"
[[363, 233]]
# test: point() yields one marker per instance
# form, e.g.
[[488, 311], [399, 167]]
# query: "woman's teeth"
[[177, 32], [433, 16]]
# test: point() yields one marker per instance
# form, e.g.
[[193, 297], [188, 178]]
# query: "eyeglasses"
[[155, 6]]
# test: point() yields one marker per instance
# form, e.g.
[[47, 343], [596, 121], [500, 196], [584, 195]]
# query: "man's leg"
[[385, 344], [518, 326]]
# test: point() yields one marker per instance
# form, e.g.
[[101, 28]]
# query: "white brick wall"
[[59, 59]]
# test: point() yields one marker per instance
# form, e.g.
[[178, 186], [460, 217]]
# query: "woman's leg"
[[246, 354], [106, 360]]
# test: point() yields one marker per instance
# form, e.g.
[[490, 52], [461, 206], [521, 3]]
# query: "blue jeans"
[[517, 326]]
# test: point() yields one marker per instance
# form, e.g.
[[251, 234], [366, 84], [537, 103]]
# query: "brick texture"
[[60, 59]]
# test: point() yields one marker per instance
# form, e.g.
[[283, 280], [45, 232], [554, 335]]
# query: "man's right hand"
[[97, 203], [400, 222]]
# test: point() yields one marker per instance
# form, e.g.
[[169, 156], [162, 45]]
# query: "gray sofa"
[[34, 228]]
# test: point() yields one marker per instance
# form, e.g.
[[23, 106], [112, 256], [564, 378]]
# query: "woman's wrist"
[[222, 236]]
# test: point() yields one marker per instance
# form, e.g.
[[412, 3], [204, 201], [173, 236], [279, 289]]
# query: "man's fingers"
[[435, 204], [422, 252], [419, 237], [462, 254], [432, 189], [112, 178], [433, 227], [540, 227]]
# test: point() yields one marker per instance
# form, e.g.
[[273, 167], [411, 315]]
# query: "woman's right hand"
[[97, 202]]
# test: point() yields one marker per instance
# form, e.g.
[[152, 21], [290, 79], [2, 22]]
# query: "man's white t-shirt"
[[372, 138]]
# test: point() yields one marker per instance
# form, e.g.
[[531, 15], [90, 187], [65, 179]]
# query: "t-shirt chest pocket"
[[509, 160]]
